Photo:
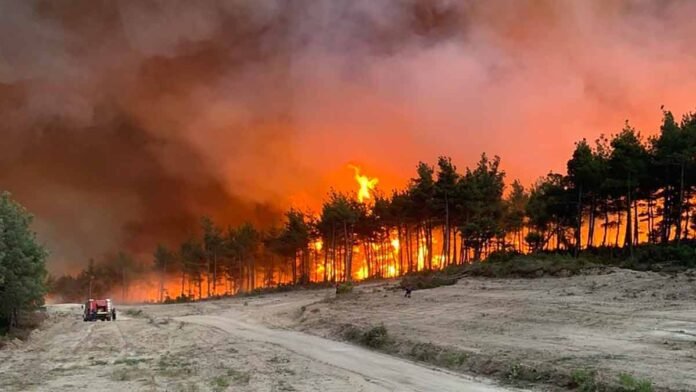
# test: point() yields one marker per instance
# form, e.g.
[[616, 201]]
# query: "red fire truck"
[[99, 309]]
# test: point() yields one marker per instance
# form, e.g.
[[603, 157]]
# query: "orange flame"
[[366, 183]]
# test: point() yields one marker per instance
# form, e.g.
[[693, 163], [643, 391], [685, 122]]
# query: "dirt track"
[[623, 322], [167, 348]]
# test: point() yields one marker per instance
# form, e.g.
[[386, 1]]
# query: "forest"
[[618, 193]]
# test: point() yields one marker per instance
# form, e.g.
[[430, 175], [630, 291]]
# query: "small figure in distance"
[[407, 293]]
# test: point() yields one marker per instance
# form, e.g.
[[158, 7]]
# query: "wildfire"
[[395, 244], [366, 183]]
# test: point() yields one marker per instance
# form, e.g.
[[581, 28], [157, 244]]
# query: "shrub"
[[584, 380], [629, 383], [501, 256], [375, 337], [528, 266], [134, 312], [429, 280], [425, 352], [344, 288], [683, 255], [220, 383]]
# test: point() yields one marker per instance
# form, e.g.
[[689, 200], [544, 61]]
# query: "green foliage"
[[481, 195], [428, 280], [344, 288], [684, 255], [220, 383], [375, 337], [528, 266], [22, 263], [629, 383], [585, 380], [425, 352]]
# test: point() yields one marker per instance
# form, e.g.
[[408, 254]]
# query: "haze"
[[124, 122]]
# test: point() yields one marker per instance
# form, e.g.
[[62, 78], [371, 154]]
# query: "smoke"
[[124, 122]]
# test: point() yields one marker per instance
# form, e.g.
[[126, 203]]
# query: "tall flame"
[[366, 183]]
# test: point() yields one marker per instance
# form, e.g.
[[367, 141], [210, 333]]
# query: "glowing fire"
[[395, 244], [391, 271], [366, 183]]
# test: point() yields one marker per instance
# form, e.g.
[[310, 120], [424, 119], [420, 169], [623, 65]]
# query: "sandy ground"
[[207, 346], [625, 321], [641, 323]]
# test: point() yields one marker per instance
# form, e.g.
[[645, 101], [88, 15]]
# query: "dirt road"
[[175, 348], [382, 372]]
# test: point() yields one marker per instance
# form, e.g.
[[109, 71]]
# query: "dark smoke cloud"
[[122, 122]]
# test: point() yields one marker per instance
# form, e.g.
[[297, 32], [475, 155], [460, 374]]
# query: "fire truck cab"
[[99, 309]]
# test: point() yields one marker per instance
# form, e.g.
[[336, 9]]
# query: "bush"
[[429, 279], [501, 256], [683, 255], [629, 383], [178, 300], [344, 288], [134, 312], [375, 337], [584, 380], [528, 266]]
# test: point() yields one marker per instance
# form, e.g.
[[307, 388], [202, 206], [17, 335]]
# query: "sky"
[[125, 121]]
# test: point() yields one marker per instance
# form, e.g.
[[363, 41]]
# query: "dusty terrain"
[[206, 346], [625, 321], [640, 323]]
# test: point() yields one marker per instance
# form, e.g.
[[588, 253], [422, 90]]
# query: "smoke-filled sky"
[[122, 122]]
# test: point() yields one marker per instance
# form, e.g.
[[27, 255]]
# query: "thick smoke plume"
[[122, 122]]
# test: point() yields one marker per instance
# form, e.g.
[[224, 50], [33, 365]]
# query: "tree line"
[[617, 192]]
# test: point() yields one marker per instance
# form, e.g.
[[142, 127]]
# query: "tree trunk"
[[591, 222], [628, 240], [326, 264], [409, 253], [651, 227], [455, 250], [349, 254], [207, 276], [214, 273], [680, 202], [618, 228], [578, 230], [636, 224], [686, 220], [606, 223], [446, 243], [665, 224]]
